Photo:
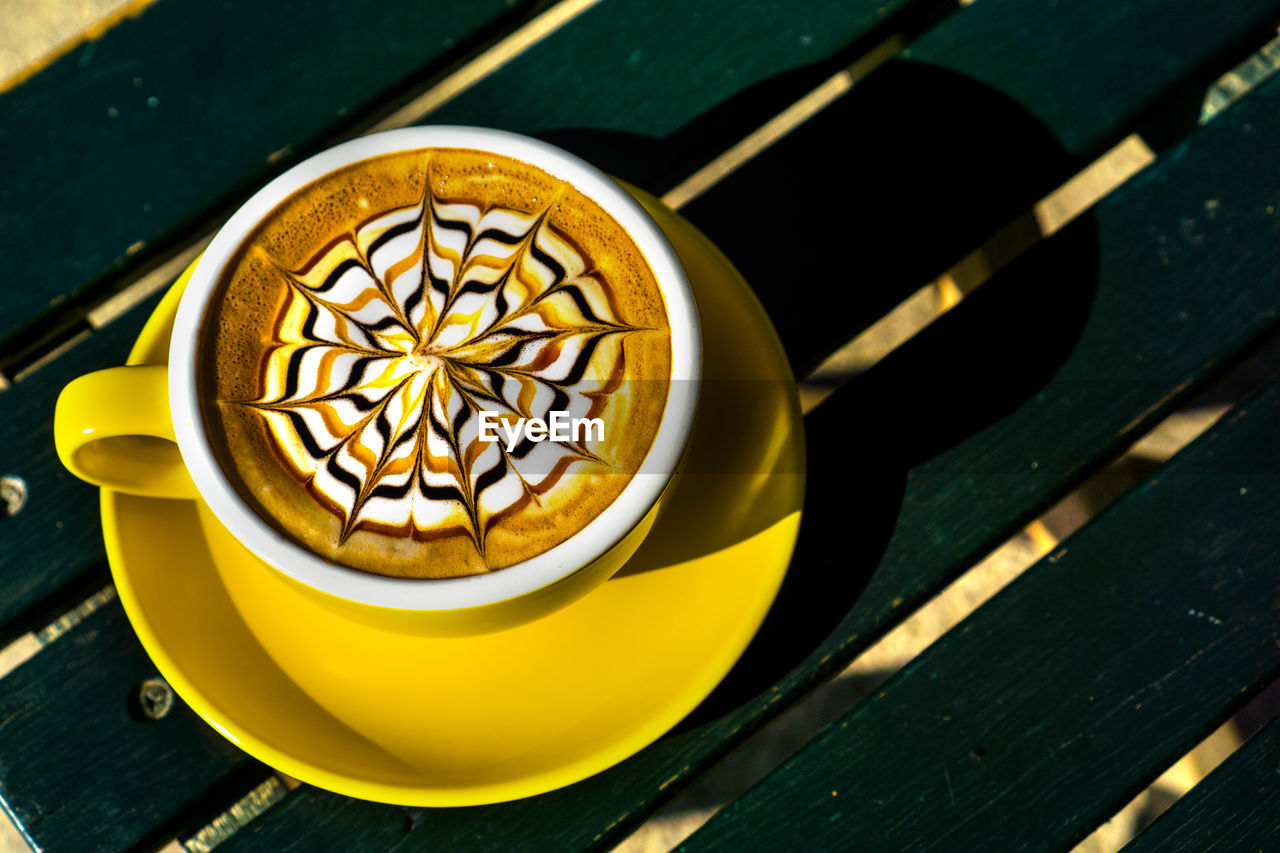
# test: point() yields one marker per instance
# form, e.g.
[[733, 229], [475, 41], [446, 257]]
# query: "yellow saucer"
[[452, 722]]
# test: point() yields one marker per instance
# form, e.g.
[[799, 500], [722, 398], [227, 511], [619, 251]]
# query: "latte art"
[[364, 328], [391, 343]]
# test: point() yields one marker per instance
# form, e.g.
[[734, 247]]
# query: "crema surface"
[[361, 331]]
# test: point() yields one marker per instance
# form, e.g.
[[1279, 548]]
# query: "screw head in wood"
[[154, 698], [13, 495]]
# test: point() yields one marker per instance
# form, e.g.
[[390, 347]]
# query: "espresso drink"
[[371, 323]]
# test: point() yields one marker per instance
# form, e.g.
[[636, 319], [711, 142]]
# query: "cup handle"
[[112, 428]]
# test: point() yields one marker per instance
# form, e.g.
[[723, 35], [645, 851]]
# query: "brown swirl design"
[[391, 341]]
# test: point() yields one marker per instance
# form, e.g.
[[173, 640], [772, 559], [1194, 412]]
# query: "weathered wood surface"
[[1235, 808], [229, 111], [74, 772], [130, 139], [1004, 101], [1090, 71], [57, 536], [1130, 366], [1173, 289], [1042, 714], [221, 124]]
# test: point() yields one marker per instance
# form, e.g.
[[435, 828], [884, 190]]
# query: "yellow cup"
[[138, 429]]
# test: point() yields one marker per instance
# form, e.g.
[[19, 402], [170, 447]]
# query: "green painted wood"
[[1087, 71], [1235, 808], [225, 104], [607, 806], [79, 770], [638, 70], [664, 86], [1044, 712], [1082, 74], [1175, 290], [134, 137], [638, 67], [57, 536]]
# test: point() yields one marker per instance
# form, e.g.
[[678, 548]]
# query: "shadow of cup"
[[746, 433], [743, 440], [833, 225]]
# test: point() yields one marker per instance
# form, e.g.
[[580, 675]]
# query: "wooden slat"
[[1036, 51], [122, 143], [57, 536], [634, 67], [1038, 717], [1237, 807], [68, 739], [230, 110], [1174, 290], [1086, 70], [651, 91], [184, 164], [1007, 100]]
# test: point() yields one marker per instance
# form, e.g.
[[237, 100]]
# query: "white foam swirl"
[[392, 340]]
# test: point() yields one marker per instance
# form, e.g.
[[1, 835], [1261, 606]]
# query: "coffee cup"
[[440, 379]]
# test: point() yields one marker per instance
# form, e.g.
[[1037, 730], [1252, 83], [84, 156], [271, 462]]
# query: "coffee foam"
[[343, 391]]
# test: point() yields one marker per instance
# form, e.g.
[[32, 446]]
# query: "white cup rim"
[[594, 540]]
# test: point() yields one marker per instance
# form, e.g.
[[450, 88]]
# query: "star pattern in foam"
[[393, 338]]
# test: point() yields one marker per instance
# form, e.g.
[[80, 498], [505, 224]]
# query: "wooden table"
[[1025, 727]]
